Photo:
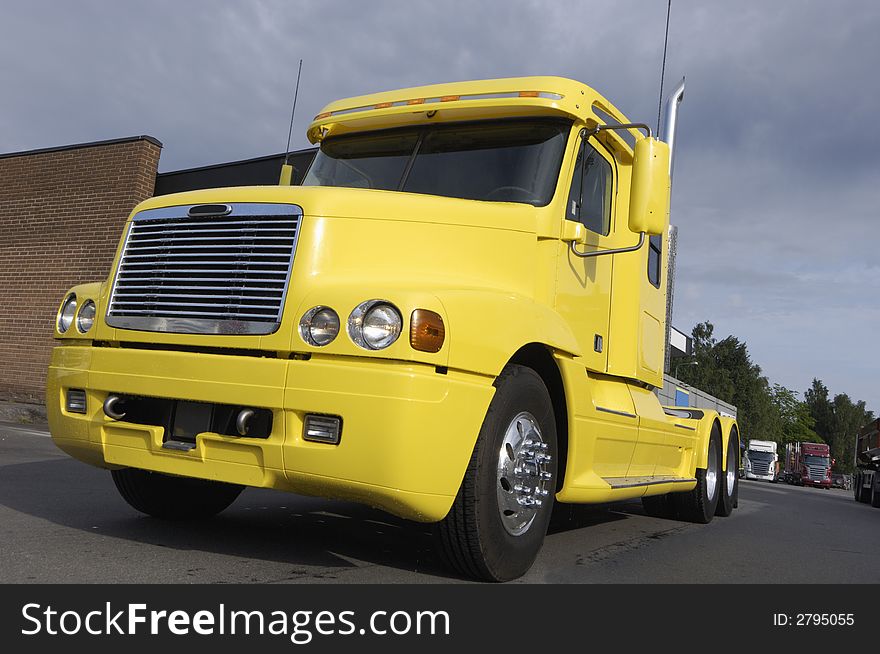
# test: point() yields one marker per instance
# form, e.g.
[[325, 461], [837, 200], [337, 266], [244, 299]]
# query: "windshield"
[[812, 460], [754, 455], [513, 160]]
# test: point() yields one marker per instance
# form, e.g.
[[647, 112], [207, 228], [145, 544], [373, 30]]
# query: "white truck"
[[761, 461]]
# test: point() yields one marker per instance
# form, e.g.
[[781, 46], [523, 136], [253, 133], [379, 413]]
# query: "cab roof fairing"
[[515, 96]]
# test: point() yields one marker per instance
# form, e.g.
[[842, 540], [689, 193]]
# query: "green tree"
[[819, 406], [795, 424], [847, 418]]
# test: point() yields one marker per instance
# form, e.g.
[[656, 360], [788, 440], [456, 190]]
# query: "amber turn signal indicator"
[[426, 331]]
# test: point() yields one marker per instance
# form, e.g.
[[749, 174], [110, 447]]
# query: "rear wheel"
[[499, 518], [862, 494], [875, 491], [698, 505], [727, 499], [173, 498]]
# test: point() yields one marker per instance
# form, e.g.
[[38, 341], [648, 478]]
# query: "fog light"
[[76, 400], [322, 429]]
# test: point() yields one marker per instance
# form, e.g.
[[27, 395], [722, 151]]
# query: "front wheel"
[[173, 498], [499, 518], [699, 504]]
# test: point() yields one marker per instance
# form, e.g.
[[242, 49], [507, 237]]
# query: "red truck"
[[866, 480], [808, 464]]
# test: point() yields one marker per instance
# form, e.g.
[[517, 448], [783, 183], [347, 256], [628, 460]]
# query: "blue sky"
[[777, 179]]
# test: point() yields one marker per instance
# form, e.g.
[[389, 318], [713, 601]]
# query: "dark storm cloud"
[[777, 182]]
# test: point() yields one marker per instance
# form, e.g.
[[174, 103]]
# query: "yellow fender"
[[704, 430], [512, 321]]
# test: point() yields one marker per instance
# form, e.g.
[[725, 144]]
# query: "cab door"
[[583, 298], [583, 286]]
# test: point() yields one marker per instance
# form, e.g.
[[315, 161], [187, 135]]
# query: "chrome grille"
[[817, 473], [761, 468], [185, 272]]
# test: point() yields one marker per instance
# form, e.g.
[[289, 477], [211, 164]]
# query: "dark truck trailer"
[[866, 481], [808, 464]]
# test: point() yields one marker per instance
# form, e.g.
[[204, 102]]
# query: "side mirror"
[[649, 187]]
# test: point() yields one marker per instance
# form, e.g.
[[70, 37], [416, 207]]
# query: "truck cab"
[[465, 299], [761, 460], [808, 464]]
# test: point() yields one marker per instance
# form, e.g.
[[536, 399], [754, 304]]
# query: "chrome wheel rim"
[[731, 468], [712, 471], [524, 478]]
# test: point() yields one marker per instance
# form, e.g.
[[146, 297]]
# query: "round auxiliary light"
[[319, 326], [85, 318], [374, 324], [68, 311]]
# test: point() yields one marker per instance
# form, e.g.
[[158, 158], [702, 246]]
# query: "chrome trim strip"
[[628, 482], [182, 325], [616, 412], [681, 412], [685, 427]]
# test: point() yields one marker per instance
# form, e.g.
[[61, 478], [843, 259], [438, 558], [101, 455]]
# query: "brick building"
[[62, 211]]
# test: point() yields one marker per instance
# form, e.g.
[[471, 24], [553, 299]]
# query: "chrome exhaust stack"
[[669, 121]]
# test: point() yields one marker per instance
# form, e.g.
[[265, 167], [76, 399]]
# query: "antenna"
[[663, 69], [286, 168]]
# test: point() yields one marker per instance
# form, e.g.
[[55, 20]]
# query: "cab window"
[[589, 200], [655, 256]]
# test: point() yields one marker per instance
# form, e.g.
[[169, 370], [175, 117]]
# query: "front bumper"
[[408, 431], [753, 476]]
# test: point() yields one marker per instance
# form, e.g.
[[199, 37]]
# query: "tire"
[[173, 498], [875, 491], [698, 505], [492, 532], [727, 498], [660, 506], [862, 494]]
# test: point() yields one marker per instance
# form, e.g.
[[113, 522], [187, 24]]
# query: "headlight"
[[86, 316], [68, 311], [319, 326], [374, 324]]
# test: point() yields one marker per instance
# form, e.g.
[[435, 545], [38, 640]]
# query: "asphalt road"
[[62, 521]]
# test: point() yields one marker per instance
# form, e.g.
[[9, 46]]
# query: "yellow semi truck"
[[459, 317]]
